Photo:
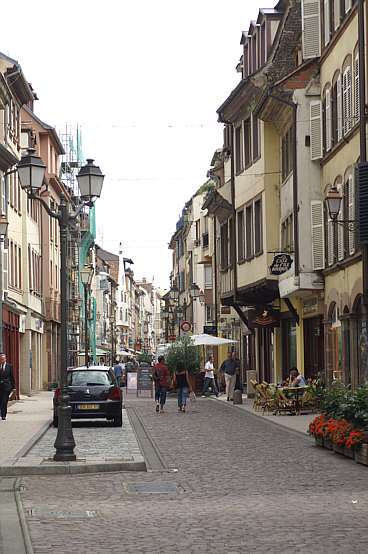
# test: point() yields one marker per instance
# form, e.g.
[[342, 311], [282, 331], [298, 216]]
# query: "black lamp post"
[[86, 277], [31, 171]]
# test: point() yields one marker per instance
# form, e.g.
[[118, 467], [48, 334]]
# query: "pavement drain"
[[55, 514], [155, 488], [17, 489]]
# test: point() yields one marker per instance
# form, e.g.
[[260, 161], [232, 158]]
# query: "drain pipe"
[[363, 138]]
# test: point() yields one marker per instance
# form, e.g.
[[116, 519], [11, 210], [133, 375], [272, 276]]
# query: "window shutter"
[[336, 14], [356, 90], [316, 129], [346, 100], [328, 120], [326, 13], [330, 238], [339, 108], [311, 29], [351, 214], [5, 273], [318, 246], [340, 227]]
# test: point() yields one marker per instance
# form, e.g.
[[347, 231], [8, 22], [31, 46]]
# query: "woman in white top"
[[209, 378]]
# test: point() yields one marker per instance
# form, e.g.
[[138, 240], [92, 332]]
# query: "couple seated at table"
[[295, 379]]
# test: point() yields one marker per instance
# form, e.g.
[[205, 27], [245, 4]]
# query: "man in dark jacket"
[[230, 367], [7, 384]]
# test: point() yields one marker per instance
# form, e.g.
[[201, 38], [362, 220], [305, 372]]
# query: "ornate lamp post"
[[31, 171], [86, 277]]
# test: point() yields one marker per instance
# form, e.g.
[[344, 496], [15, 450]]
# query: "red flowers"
[[340, 431]]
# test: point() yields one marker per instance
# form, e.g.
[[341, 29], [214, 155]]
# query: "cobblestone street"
[[243, 485]]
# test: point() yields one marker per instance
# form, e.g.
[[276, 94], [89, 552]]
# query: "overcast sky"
[[143, 80]]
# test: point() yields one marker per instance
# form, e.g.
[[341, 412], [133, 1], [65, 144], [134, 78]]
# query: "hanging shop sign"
[[263, 317], [280, 264]]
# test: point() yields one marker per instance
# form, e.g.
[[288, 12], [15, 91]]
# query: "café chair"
[[267, 401], [283, 403], [257, 401]]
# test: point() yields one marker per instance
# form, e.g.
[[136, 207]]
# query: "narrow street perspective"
[[184, 277]]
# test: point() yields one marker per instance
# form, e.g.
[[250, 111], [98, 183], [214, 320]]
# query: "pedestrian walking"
[[161, 378], [209, 378], [229, 367], [118, 370], [182, 382], [7, 384]]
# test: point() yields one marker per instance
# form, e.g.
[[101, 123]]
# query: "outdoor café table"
[[295, 393]]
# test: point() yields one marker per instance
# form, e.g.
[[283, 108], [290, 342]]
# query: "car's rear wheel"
[[118, 420], [55, 420]]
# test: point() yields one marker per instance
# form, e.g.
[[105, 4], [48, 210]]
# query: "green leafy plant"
[[183, 350], [144, 357]]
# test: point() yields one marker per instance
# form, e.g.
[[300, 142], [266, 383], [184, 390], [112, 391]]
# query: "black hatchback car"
[[94, 393]]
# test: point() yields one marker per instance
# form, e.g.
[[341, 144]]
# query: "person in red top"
[[161, 377]]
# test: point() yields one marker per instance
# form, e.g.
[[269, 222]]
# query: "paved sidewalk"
[[25, 418], [296, 423]]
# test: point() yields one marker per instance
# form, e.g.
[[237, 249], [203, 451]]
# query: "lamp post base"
[[64, 442]]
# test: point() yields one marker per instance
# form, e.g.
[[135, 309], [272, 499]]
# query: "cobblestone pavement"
[[244, 486], [113, 442]]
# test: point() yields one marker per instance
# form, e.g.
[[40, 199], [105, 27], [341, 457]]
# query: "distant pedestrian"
[[229, 367], [182, 382], [118, 370], [209, 378], [161, 378], [238, 383], [7, 384]]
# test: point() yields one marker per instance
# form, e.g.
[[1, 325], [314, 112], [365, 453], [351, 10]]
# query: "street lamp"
[[86, 277], [112, 321], [333, 201], [31, 171], [194, 291]]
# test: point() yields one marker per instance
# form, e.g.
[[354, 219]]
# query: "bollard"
[[237, 397]]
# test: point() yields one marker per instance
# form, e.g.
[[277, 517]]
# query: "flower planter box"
[[319, 440], [339, 449], [348, 452], [328, 444], [361, 455]]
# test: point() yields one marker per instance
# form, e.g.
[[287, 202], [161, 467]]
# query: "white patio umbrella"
[[209, 340]]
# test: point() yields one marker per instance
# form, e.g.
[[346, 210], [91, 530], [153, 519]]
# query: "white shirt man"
[[209, 378]]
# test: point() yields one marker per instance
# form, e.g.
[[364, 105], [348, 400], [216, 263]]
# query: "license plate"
[[88, 406]]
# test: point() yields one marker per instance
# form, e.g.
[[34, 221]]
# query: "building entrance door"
[[313, 346]]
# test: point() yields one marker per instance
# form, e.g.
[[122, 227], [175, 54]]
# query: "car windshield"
[[84, 378]]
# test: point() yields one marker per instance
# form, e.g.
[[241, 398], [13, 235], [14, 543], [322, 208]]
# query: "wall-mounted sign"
[[263, 317], [280, 264], [225, 310], [210, 330]]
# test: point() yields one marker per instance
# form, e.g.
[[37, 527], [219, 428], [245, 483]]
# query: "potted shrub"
[[183, 350]]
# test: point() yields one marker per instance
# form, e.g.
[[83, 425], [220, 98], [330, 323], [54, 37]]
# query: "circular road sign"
[[185, 326]]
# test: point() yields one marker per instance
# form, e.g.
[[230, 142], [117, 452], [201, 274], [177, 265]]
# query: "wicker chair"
[[284, 404], [267, 401]]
